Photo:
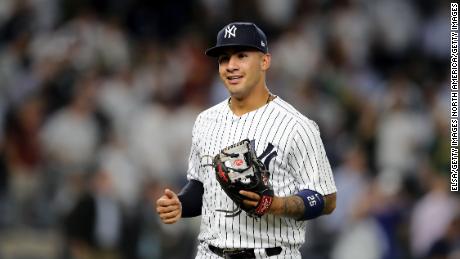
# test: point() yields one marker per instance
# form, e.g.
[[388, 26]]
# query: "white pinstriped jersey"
[[300, 163]]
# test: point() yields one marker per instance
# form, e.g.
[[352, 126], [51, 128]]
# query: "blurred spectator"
[[432, 215], [377, 219], [216, 10], [150, 239], [17, 79], [278, 14], [448, 246], [403, 132], [18, 21], [24, 163], [360, 241], [70, 139], [157, 240], [47, 14], [126, 176], [396, 32], [351, 28], [180, 147], [149, 140], [22, 142], [70, 136], [297, 53], [352, 177], [94, 225], [435, 33], [118, 100]]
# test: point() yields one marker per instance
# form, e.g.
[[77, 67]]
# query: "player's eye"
[[242, 55], [222, 59]]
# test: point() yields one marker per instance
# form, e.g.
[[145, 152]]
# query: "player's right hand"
[[169, 207]]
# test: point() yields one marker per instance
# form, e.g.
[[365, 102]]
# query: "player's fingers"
[[165, 201], [166, 209], [170, 194], [171, 220], [250, 203], [250, 195], [169, 215]]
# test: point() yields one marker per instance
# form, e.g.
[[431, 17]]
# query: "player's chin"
[[233, 88], [236, 91]]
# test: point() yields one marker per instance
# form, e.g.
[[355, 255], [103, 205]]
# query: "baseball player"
[[301, 184]]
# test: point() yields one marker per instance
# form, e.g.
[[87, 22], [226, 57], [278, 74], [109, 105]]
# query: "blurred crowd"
[[98, 99]]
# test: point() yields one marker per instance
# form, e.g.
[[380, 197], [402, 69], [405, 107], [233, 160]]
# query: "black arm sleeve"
[[191, 197]]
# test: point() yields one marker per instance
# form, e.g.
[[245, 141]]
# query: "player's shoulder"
[[299, 119], [212, 112]]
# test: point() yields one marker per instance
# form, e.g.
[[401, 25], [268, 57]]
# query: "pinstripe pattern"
[[300, 163]]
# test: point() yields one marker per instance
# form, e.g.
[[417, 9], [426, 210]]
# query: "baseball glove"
[[238, 168]]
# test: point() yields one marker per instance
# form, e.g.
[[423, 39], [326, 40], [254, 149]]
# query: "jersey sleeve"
[[194, 158], [308, 161]]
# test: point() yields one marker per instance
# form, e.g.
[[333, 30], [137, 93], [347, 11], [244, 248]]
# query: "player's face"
[[242, 70]]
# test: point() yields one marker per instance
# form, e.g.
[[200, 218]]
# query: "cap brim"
[[217, 50]]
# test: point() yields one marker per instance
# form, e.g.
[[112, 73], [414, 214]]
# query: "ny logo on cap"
[[230, 31]]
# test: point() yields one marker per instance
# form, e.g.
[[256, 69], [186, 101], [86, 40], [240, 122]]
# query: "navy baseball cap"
[[239, 34]]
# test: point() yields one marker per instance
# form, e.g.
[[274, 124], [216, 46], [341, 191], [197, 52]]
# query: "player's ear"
[[266, 61]]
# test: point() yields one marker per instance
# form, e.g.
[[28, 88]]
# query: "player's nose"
[[232, 63]]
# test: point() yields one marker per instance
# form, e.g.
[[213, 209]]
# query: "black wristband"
[[191, 197]]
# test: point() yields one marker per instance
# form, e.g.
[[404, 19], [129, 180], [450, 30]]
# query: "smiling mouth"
[[234, 79]]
